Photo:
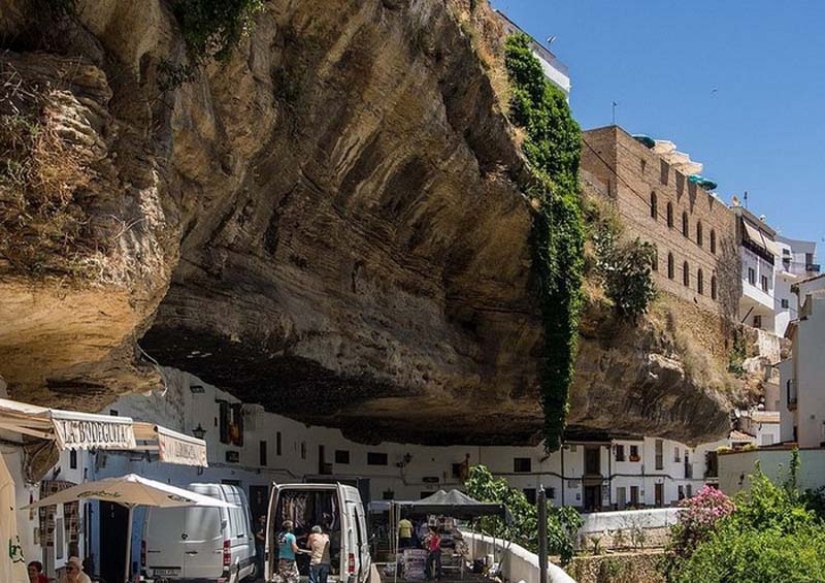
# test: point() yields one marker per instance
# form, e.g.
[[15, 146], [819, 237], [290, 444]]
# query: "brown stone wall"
[[615, 164]]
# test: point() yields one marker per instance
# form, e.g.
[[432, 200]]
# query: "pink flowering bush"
[[698, 519]]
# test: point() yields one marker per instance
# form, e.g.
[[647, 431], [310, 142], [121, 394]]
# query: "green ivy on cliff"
[[213, 28], [552, 146]]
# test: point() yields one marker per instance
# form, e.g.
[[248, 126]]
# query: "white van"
[[338, 510], [207, 544]]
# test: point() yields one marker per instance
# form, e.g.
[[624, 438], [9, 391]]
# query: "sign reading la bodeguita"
[[86, 433]]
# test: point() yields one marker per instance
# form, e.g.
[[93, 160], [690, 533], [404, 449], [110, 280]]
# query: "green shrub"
[[213, 28]]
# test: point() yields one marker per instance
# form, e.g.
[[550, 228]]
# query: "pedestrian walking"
[[319, 561], [73, 572], [287, 548], [405, 531], [433, 546]]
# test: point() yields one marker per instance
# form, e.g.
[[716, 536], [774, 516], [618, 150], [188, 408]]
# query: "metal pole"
[[541, 502], [128, 544]]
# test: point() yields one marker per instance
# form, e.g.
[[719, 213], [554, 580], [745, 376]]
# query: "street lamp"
[[199, 431]]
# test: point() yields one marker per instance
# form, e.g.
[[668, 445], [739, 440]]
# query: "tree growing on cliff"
[[562, 523]]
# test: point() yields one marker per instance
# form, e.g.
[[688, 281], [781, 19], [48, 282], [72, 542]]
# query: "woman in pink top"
[[433, 546]]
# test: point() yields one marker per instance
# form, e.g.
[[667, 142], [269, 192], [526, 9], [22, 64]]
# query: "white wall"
[[518, 564], [809, 348], [752, 294], [736, 467]]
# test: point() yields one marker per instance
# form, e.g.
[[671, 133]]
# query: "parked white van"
[[336, 508], [206, 544]]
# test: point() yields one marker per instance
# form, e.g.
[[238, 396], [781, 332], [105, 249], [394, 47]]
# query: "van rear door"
[[163, 536], [203, 543]]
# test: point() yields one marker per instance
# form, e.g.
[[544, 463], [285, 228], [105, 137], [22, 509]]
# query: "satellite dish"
[[735, 201]]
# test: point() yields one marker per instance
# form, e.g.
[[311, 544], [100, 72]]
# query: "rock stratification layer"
[[330, 224]]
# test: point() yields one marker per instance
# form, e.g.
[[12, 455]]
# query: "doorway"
[[593, 498], [113, 521], [659, 494], [258, 502], [621, 498]]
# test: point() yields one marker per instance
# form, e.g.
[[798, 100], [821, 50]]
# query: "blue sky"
[[763, 128]]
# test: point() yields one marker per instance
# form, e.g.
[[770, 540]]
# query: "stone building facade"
[[692, 230]]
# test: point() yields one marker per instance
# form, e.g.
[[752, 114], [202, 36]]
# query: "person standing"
[[405, 530], [319, 561], [287, 548], [260, 545], [433, 546]]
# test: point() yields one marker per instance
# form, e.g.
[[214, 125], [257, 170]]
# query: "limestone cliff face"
[[330, 224]]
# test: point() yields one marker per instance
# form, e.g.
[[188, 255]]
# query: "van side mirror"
[[223, 524]]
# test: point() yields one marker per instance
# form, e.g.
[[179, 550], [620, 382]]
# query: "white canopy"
[[73, 430], [12, 562]]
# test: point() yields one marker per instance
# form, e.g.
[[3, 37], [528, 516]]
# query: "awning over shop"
[[70, 429], [73, 430], [757, 237], [172, 447]]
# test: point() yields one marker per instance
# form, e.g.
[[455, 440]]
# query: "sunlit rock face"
[[330, 224]]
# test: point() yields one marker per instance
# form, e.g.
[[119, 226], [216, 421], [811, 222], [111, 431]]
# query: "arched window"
[[670, 215], [700, 282], [685, 225], [686, 274], [670, 268], [699, 238], [654, 209], [713, 287], [654, 260], [712, 241]]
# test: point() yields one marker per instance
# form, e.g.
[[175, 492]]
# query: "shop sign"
[[233, 457], [430, 479], [78, 432], [181, 449]]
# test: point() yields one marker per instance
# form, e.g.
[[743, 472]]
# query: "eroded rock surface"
[[330, 224]]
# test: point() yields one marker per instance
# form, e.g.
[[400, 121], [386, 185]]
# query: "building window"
[[278, 444], [670, 267], [303, 450], [751, 276], [676, 456], [660, 455], [689, 491], [785, 304], [73, 459], [619, 453], [634, 453], [713, 241], [699, 238], [654, 210], [263, 460], [530, 494], [686, 274], [522, 465], [681, 490], [665, 172], [700, 282], [757, 321], [764, 283], [685, 224], [643, 164], [654, 260], [341, 456], [550, 493], [713, 287], [231, 423], [375, 458], [670, 215]]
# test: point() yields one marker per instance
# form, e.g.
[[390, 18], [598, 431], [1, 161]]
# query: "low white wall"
[[518, 564], [627, 528], [735, 468]]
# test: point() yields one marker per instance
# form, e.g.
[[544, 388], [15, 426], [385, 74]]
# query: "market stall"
[[441, 509]]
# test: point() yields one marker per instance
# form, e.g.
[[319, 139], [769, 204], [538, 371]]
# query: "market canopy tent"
[[454, 503], [130, 491], [73, 430]]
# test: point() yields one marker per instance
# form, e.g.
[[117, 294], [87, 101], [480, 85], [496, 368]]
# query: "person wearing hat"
[[319, 561], [73, 572], [287, 548]]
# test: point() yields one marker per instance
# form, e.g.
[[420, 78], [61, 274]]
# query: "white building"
[[802, 391], [758, 252], [797, 262], [555, 71]]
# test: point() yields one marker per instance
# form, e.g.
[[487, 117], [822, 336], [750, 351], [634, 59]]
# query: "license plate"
[[165, 572]]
